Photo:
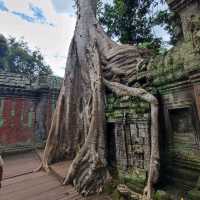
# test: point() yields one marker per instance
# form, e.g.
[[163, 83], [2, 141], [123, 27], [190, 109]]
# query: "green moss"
[[134, 178], [194, 194], [116, 196], [175, 64], [162, 195], [132, 106], [198, 184], [110, 187]]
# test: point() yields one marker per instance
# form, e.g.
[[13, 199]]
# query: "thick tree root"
[[88, 172], [80, 111], [88, 175], [39, 168]]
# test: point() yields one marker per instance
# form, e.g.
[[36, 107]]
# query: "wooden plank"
[[32, 190], [74, 196], [61, 168], [18, 179], [37, 186], [20, 164], [25, 184], [56, 193]]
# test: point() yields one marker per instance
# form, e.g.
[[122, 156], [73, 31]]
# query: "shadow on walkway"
[[21, 183]]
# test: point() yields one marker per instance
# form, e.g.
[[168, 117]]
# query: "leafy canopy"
[[132, 21], [129, 21], [17, 57]]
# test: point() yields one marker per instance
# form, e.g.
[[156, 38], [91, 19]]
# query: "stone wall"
[[182, 133], [25, 110], [188, 11], [175, 79], [128, 132]]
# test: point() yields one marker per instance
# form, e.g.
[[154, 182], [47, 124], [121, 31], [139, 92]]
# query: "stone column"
[[189, 12]]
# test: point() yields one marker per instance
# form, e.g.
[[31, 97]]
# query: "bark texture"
[[78, 127]]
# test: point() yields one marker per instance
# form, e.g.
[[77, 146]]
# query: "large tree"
[[128, 20], [78, 127], [3, 51], [17, 57], [133, 21]]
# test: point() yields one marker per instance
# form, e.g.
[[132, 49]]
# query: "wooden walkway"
[[20, 164], [20, 183]]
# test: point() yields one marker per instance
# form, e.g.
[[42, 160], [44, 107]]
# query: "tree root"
[[153, 171], [88, 175], [80, 106], [39, 168]]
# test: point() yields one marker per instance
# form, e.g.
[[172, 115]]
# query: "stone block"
[[198, 184], [162, 195], [194, 194]]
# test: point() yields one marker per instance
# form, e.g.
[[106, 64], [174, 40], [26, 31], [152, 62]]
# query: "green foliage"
[[99, 7], [17, 57], [131, 22], [3, 51], [133, 176], [194, 195], [171, 23], [154, 45], [3, 46], [162, 195], [128, 20]]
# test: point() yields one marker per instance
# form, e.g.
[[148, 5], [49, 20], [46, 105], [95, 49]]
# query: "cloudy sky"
[[44, 24]]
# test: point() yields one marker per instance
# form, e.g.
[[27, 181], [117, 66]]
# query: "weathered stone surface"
[[175, 77], [129, 120], [194, 194], [162, 195], [25, 110], [198, 184], [188, 11]]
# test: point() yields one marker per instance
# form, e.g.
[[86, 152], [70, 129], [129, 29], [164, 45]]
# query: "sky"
[[44, 24]]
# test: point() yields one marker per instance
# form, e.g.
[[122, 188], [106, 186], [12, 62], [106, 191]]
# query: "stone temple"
[[25, 110], [173, 77]]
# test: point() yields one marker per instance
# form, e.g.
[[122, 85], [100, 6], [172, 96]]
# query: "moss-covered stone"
[[116, 196], [175, 64], [194, 194], [110, 187], [135, 179], [134, 107], [162, 195], [198, 184]]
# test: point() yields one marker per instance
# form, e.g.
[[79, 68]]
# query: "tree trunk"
[[78, 127]]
